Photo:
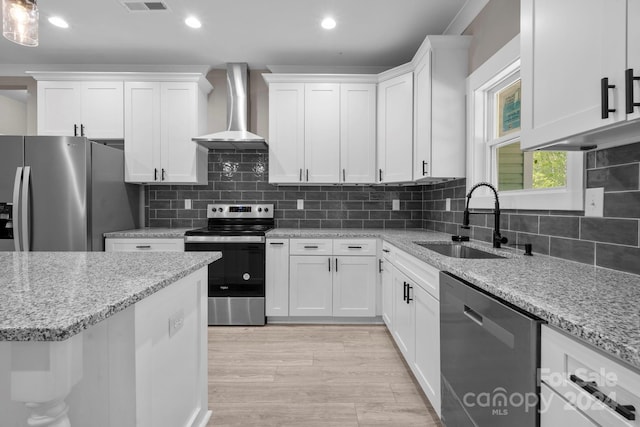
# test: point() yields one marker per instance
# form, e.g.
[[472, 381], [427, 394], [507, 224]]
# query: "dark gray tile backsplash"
[[241, 177], [237, 177]]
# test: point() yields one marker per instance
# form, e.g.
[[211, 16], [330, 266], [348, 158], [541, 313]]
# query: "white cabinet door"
[[59, 108], [422, 112], [358, 133], [354, 286], [179, 123], [633, 52], [286, 132], [395, 129], [387, 293], [142, 132], [403, 315], [310, 286], [567, 47], [277, 277], [322, 132], [102, 110], [558, 412], [427, 345]]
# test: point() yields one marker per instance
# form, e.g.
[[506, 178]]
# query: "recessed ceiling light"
[[193, 22], [58, 22], [328, 23]]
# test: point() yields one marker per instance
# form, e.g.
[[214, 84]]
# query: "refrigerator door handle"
[[25, 208], [16, 209]]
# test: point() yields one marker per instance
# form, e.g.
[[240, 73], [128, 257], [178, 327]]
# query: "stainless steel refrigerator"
[[61, 193]]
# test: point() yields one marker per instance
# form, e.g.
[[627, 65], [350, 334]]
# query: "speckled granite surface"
[[50, 296], [600, 306], [141, 233]]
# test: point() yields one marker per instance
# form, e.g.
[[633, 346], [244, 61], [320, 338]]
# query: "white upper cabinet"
[[395, 129], [286, 132], [574, 57], [161, 117], [322, 132], [358, 133], [321, 129], [81, 108], [439, 108]]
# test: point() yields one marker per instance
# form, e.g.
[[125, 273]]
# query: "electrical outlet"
[[594, 202], [447, 204], [187, 203], [395, 205], [300, 204]]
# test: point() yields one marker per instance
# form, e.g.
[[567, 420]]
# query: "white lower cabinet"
[[353, 294], [113, 244], [277, 277], [411, 311], [559, 412], [310, 286]]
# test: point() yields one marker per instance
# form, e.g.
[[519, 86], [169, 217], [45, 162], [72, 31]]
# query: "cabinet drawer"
[[144, 245], [423, 274], [354, 247], [566, 361], [311, 247]]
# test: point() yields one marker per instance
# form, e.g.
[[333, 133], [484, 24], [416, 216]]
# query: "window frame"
[[481, 87]]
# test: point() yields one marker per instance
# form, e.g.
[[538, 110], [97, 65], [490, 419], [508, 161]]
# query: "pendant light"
[[20, 21]]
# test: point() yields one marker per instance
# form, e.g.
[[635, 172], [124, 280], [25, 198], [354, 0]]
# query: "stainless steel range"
[[236, 282]]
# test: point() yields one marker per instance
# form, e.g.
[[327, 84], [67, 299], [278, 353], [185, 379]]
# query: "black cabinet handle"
[[424, 166], [386, 250], [329, 260], [143, 246], [163, 174], [409, 287], [311, 247], [75, 130], [155, 174], [344, 175], [276, 243], [336, 265], [81, 130], [629, 80], [300, 174], [404, 297], [380, 173], [379, 266], [307, 175], [627, 411], [355, 247], [604, 98]]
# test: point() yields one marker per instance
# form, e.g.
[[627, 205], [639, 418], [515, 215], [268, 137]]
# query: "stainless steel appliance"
[[237, 281], [490, 354], [64, 193]]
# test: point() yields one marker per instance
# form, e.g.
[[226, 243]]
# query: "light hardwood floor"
[[342, 376]]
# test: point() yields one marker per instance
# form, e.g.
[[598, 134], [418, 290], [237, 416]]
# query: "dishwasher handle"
[[473, 315]]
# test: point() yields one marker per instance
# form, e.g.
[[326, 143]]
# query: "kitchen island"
[[103, 339]]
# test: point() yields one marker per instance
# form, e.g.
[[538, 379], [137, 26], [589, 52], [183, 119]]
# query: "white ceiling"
[[370, 33]]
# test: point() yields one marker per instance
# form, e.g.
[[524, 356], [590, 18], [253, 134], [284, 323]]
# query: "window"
[[525, 180]]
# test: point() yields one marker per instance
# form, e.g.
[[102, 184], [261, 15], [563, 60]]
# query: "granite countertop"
[[150, 233], [51, 296], [597, 305]]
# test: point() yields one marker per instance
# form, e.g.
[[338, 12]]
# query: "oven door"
[[240, 271]]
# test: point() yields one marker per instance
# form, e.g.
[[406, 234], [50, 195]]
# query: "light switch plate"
[[447, 204], [395, 205], [187, 203], [594, 202], [300, 204]]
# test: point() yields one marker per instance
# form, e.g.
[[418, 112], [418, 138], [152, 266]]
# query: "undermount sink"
[[457, 250]]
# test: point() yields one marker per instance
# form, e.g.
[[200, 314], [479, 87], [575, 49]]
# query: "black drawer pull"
[[379, 266], [604, 97], [355, 247], [409, 287], [276, 243], [627, 411], [404, 297], [311, 247], [143, 246], [386, 250]]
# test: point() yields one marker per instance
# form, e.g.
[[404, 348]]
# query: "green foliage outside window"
[[549, 169]]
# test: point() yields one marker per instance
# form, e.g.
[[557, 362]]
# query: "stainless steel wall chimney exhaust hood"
[[236, 136]]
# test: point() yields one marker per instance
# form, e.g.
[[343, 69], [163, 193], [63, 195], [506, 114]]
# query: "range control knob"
[[266, 209], [260, 210], [219, 209]]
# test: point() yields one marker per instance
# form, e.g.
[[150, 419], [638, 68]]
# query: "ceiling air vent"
[[144, 6]]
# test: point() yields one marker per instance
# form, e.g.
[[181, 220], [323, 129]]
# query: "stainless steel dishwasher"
[[490, 355]]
